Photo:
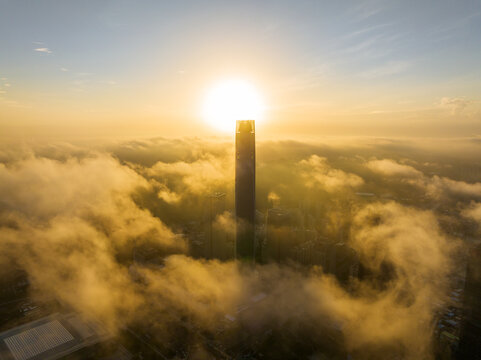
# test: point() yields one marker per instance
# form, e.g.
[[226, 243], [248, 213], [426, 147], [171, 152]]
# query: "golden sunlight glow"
[[232, 100]]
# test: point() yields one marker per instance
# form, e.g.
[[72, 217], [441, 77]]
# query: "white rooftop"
[[37, 340]]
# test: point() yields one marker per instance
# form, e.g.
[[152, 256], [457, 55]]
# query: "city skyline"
[[240, 180]]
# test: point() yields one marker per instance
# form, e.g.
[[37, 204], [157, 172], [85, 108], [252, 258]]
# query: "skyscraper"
[[216, 208], [470, 337], [245, 193]]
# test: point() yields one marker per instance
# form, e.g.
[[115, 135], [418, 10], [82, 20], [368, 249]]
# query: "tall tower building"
[[216, 207], [245, 189], [470, 337]]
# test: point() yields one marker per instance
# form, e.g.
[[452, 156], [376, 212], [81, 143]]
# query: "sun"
[[232, 100]]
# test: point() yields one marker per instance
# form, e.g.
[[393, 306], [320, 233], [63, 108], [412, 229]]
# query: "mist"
[[76, 220]]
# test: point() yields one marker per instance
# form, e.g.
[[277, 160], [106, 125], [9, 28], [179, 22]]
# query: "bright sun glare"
[[232, 100]]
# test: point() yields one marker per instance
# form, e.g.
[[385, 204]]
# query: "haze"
[[240, 180], [123, 68]]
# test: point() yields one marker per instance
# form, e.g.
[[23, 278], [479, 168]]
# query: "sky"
[[142, 68], [138, 73]]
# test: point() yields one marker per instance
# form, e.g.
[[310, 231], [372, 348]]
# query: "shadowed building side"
[[470, 337], [245, 184]]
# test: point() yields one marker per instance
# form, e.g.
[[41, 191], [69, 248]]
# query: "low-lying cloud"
[[390, 167], [74, 219], [434, 186], [317, 172]]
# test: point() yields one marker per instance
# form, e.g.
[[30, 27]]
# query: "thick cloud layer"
[[317, 172], [473, 211], [434, 186], [392, 168], [68, 224], [74, 219]]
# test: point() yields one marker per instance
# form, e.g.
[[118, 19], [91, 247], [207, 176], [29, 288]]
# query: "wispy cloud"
[[390, 68], [308, 78], [366, 9], [43, 50], [363, 45], [5, 99], [456, 105], [12, 103], [365, 30], [64, 69], [3, 85], [82, 81], [449, 30], [369, 43], [107, 82]]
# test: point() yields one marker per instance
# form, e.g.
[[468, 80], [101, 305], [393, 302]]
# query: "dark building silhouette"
[[470, 339], [282, 234], [245, 193], [216, 207]]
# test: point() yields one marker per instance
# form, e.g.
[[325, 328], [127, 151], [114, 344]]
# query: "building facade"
[[245, 194]]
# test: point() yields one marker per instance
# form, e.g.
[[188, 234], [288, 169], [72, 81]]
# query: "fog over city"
[[242, 180], [73, 216]]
